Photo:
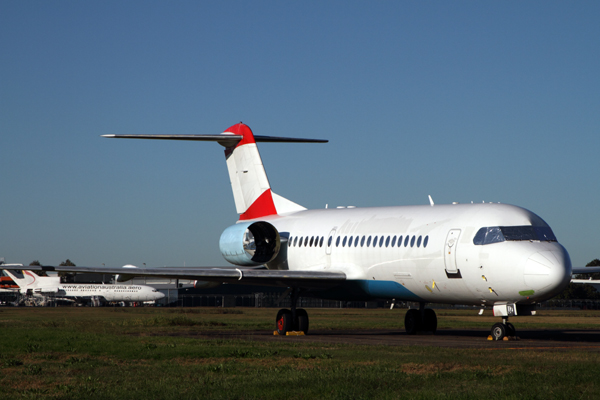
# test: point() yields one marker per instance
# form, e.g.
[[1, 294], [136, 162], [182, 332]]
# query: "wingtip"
[[109, 136]]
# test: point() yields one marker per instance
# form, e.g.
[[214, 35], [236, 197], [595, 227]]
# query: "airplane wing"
[[247, 276], [593, 282], [586, 270]]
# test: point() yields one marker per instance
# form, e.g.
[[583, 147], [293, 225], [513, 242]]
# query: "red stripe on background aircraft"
[[488, 255]]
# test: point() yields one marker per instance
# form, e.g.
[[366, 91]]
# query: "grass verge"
[[103, 353]]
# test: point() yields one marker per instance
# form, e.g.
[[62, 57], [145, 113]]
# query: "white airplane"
[[584, 271], [488, 255], [49, 286]]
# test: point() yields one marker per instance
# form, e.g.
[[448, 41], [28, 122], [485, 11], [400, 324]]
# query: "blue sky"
[[463, 101]]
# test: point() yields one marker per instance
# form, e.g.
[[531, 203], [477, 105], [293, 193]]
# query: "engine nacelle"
[[250, 243], [125, 277], [46, 290], [206, 284]]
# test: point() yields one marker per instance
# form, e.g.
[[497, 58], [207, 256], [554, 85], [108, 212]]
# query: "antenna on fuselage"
[[431, 200]]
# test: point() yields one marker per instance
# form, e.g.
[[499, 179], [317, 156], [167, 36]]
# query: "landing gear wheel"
[[302, 320], [510, 329], [284, 322], [430, 321], [412, 321], [498, 331]]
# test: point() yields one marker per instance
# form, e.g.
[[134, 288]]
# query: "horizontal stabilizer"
[[249, 183], [224, 139]]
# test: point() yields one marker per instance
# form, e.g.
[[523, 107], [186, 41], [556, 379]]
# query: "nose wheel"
[[503, 329]]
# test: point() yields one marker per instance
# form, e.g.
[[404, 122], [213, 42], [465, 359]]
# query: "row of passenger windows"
[[364, 241]]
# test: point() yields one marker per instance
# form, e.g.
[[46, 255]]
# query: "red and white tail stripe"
[[249, 182]]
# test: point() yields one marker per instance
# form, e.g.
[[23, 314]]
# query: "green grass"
[[150, 353]]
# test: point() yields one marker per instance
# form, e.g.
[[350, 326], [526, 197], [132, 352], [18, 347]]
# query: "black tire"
[[302, 320], [510, 329], [283, 322], [498, 331], [412, 321], [430, 322]]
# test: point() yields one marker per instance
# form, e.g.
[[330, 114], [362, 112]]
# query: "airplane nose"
[[548, 272]]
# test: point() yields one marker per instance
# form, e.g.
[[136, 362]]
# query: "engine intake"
[[250, 244]]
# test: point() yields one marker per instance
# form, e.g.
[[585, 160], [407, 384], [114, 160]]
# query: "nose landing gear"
[[503, 329]]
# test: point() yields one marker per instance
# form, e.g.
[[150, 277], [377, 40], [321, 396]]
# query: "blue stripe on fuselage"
[[364, 290]]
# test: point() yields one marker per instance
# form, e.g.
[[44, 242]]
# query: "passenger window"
[[400, 241], [375, 241], [406, 241], [329, 241], [425, 241], [419, 241], [369, 241], [393, 240], [337, 242], [306, 242], [387, 241], [362, 241], [301, 240], [321, 241], [344, 241], [290, 241], [312, 239], [412, 241], [350, 242]]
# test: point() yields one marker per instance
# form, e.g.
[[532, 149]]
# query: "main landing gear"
[[503, 329], [295, 319], [421, 320]]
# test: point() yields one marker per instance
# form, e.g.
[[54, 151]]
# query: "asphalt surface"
[[588, 340]]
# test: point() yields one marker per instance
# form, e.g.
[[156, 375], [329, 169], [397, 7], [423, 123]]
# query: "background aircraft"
[[487, 255], [31, 284]]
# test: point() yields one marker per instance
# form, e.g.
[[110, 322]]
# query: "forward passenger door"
[[450, 252]]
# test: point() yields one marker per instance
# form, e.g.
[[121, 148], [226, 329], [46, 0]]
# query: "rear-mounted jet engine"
[[250, 243]]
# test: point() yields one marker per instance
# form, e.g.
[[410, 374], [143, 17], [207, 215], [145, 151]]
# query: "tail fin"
[[23, 279], [251, 190], [249, 182]]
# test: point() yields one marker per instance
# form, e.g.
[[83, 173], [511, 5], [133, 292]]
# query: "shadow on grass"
[[446, 338]]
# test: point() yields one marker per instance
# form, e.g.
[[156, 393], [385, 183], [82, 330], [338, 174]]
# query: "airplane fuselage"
[[107, 292], [424, 253]]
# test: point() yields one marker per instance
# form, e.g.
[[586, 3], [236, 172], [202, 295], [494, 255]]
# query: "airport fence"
[[266, 300], [275, 300]]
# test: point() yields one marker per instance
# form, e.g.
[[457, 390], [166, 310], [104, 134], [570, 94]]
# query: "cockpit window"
[[496, 234], [544, 233]]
